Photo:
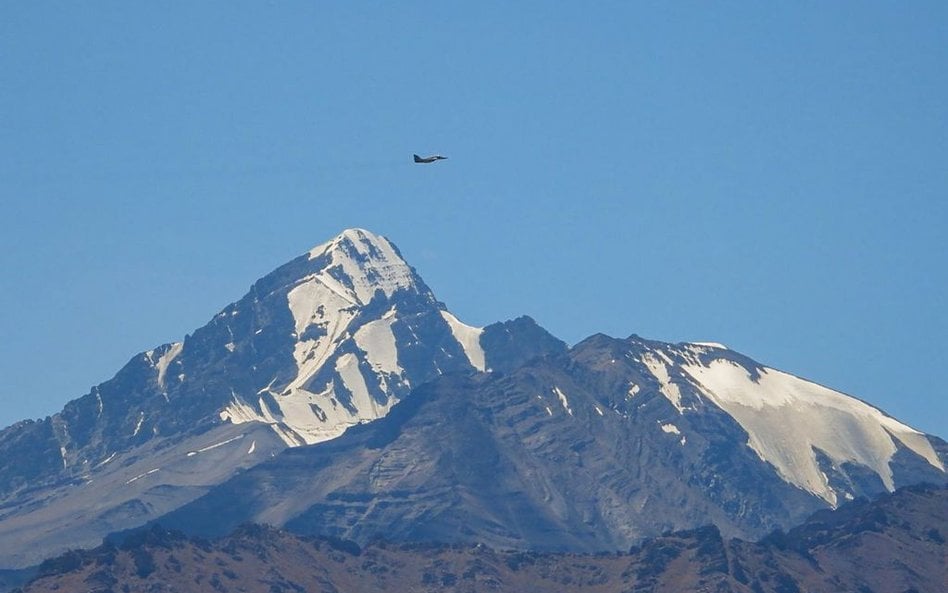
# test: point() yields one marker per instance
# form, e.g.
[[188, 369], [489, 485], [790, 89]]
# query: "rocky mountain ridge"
[[893, 545]]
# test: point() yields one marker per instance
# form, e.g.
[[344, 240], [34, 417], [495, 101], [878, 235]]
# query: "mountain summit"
[[363, 329], [340, 397]]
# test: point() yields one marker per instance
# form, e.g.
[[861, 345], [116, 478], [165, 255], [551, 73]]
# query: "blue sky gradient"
[[770, 177]]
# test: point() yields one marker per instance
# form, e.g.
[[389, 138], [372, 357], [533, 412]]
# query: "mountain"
[[330, 340], [893, 545], [339, 397]]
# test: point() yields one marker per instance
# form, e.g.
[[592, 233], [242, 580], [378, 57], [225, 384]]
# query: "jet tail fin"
[[417, 158]]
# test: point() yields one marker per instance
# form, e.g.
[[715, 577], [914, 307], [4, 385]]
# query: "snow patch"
[[659, 370], [308, 417], [670, 428], [107, 459], [140, 476], [563, 401], [138, 427], [710, 345], [215, 445], [166, 359], [313, 301], [469, 338], [237, 412], [378, 342]]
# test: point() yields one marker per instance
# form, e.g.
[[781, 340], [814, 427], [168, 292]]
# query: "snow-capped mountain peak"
[[361, 316], [359, 263]]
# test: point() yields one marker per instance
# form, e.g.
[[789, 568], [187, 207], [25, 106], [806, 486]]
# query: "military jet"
[[428, 159]]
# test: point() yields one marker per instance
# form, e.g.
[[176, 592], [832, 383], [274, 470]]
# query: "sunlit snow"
[[166, 359], [215, 445], [469, 338], [717, 345], [138, 427], [563, 401], [140, 476], [106, 460], [659, 370], [378, 342], [382, 268], [786, 418]]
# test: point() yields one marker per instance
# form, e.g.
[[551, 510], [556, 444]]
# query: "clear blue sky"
[[771, 177]]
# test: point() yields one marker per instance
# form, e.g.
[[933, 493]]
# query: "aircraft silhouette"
[[428, 159]]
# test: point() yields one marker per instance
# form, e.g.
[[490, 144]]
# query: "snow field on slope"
[[378, 342], [166, 359], [787, 417], [470, 340]]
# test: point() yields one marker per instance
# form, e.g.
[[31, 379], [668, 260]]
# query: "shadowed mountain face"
[[340, 397], [893, 545]]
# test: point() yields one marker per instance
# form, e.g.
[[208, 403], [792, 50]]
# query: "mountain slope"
[[328, 341], [893, 545], [587, 451]]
